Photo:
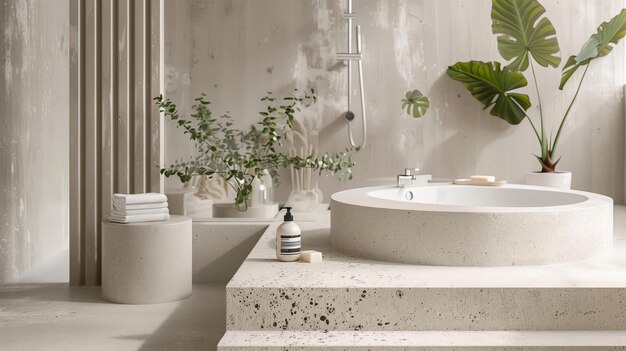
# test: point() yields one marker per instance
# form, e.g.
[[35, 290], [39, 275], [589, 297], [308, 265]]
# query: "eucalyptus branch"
[[239, 157]]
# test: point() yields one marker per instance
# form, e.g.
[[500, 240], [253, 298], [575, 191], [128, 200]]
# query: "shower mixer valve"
[[349, 115]]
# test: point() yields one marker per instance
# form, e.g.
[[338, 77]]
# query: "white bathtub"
[[459, 225]]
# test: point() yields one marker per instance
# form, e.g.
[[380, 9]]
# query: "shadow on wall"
[[462, 118], [573, 145], [220, 248], [332, 130], [53, 269]]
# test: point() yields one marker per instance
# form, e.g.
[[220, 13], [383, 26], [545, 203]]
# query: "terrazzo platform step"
[[345, 293], [387, 309], [427, 341]]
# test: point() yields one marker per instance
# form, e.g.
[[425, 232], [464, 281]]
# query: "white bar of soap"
[[311, 256], [482, 178]]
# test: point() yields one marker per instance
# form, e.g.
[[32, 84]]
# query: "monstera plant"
[[415, 103], [527, 38]]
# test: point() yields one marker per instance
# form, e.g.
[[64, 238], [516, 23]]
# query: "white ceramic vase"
[[561, 180], [303, 200]]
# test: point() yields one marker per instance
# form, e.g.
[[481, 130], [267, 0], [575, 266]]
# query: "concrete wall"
[[34, 90], [236, 50]]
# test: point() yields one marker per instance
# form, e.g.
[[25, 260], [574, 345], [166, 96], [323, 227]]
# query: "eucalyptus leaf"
[[492, 85], [415, 103], [523, 32], [599, 44]]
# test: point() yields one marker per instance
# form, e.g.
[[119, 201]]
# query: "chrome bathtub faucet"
[[411, 178]]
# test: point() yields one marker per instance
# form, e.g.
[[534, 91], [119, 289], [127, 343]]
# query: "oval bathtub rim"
[[360, 197]]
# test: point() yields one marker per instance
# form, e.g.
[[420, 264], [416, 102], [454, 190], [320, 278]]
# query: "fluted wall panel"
[[115, 128]]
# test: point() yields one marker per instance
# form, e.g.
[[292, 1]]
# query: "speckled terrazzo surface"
[[530, 226], [261, 269], [425, 309], [420, 340], [349, 294]]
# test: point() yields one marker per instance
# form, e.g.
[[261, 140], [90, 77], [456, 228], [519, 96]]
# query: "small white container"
[[288, 239], [562, 180]]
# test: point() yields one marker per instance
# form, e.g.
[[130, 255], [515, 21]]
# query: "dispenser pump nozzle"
[[288, 216]]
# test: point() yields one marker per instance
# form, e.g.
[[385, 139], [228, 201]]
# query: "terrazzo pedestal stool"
[[145, 263]]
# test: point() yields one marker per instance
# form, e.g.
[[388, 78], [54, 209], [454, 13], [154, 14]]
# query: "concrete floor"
[[59, 317]]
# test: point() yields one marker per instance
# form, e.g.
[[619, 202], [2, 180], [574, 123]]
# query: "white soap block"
[[311, 256], [482, 178], [465, 181]]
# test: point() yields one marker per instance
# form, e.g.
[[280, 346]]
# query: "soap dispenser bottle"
[[288, 240]]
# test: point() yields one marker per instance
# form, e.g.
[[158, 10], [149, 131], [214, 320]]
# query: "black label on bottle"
[[290, 244]]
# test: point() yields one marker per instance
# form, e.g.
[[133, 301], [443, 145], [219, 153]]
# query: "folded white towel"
[[122, 213], [130, 199], [124, 207], [140, 218]]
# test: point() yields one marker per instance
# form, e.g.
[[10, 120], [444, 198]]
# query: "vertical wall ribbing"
[[83, 138], [157, 85], [138, 164], [91, 159], [105, 188], [112, 74], [123, 103], [130, 93], [98, 113], [77, 98], [113, 130], [146, 91]]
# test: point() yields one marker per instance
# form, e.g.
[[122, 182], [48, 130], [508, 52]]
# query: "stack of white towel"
[[135, 208]]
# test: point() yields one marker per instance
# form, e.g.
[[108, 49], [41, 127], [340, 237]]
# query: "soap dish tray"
[[466, 181]]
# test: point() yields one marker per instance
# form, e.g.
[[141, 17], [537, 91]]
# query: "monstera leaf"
[[487, 82], [415, 103], [599, 44], [523, 32]]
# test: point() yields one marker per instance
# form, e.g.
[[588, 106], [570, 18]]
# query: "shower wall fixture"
[[347, 58]]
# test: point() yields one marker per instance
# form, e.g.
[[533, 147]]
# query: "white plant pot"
[[561, 180]]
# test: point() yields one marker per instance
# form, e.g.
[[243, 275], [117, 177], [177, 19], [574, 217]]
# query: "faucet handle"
[[409, 171]]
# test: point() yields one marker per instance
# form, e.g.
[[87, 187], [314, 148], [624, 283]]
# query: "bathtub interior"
[[479, 196]]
